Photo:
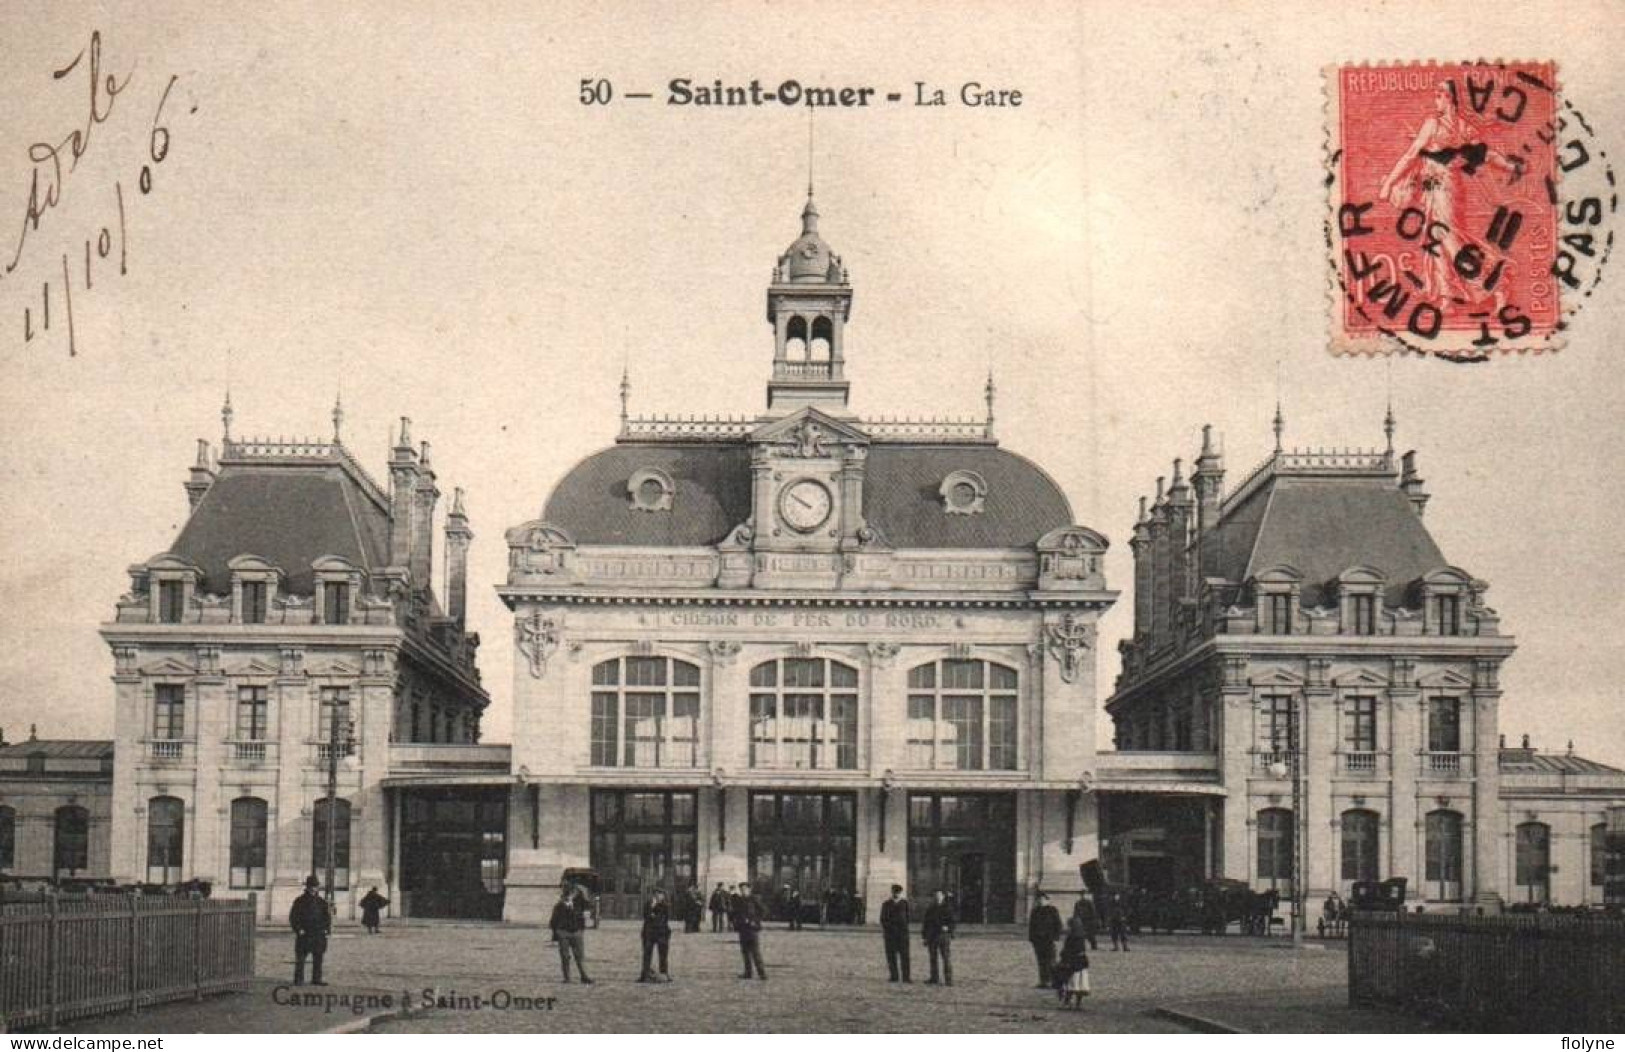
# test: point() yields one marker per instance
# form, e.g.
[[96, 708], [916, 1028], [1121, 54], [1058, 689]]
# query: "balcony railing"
[[1447, 764], [249, 752], [167, 750], [324, 751], [1360, 762], [1263, 761]]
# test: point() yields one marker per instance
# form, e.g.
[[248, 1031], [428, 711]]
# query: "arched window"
[[1599, 853], [1442, 833], [1533, 862], [821, 346], [795, 340], [248, 842], [645, 713], [1275, 847], [166, 835], [1360, 845], [804, 714], [8, 838], [962, 716], [341, 842], [70, 851]]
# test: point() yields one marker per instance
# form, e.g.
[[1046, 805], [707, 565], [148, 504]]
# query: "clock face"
[[805, 505]]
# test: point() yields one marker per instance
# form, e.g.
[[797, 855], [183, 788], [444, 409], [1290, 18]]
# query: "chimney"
[[458, 536], [202, 476], [422, 558], [1208, 480], [1140, 543], [1411, 483], [403, 483]]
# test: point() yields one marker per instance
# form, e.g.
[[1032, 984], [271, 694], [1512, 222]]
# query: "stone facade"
[[1306, 621], [801, 648], [56, 803], [296, 595]]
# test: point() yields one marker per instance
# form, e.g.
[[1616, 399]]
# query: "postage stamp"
[[1445, 207]]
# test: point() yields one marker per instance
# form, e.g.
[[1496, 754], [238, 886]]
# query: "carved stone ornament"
[[724, 650], [1067, 640], [882, 652], [807, 439], [537, 637]]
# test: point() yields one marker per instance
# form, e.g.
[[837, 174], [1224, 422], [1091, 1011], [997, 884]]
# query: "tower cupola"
[[808, 304]]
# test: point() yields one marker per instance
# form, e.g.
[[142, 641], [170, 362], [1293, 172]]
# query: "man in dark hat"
[[748, 923], [719, 908], [656, 937], [1044, 930], [311, 920], [567, 923], [894, 918], [938, 931]]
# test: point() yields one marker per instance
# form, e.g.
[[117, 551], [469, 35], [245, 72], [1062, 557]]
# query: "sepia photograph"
[[1025, 518]]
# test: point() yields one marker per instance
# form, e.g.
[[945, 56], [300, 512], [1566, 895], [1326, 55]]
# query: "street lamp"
[[1278, 770], [340, 736]]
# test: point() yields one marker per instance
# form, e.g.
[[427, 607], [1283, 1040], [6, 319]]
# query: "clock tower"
[[808, 304]]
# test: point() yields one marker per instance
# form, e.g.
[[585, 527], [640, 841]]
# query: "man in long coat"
[[938, 931], [1044, 930], [894, 918], [567, 924], [748, 923], [719, 908], [656, 937], [311, 920]]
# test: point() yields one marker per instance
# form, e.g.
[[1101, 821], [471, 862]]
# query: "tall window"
[[248, 823], [341, 842], [962, 716], [1443, 839], [335, 603], [1599, 853], [1275, 847], [804, 714], [1360, 724], [1444, 725], [166, 829], [70, 852], [1364, 609], [1447, 615], [1279, 609], [417, 722], [1275, 732], [335, 703], [253, 710], [171, 601], [169, 712], [1360, 840], [645, 713], [254, 604], [8, 838], [1533, 861]]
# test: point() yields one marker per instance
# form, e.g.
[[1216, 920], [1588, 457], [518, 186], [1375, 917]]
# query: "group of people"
[[744, 916], [936, 931], [1068, 974]]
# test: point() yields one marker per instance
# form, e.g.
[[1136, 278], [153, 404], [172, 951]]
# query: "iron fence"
[[1516, 972], [65, 957]]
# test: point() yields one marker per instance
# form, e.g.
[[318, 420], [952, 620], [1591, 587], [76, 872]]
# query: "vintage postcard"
[[731, 518]]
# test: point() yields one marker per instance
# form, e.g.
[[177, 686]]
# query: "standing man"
[[719, 908], [656, 936], [938, 931], [792, 902], [1117, 923], [894, 918], [310, 920], [567, 924], [696, 908], [1043, 931], [748, 923]]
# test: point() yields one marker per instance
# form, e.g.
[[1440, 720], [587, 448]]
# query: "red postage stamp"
[[1444, 225]]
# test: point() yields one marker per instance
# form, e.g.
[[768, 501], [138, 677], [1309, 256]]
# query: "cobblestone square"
[[832, 980]]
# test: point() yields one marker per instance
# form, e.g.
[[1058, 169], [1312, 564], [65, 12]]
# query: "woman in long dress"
[[1432, 177], [1072, 970]]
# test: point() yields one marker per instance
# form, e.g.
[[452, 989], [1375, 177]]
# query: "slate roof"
[[59, 749], [288, 515], [713, 495], [1322, 527]]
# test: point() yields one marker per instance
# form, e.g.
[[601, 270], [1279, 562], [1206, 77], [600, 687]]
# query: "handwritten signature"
[[47, 157]]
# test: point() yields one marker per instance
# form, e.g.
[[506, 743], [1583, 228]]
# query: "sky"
[[415, 208]]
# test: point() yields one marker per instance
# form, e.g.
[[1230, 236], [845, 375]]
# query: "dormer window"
[[335, 603], [254, 603], [963, 493], [1363, 611], [337, 583], [1276, 593], [1278, 614], [1359, 591], [651, 490], [1442, 594], [254, 586], [171, 602], [1447, 615]]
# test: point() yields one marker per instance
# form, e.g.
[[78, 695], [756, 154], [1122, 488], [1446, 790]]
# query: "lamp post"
[[1294, 769], [340, 732]]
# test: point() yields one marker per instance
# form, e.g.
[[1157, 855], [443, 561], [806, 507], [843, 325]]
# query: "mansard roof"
[[1516, 761], [288, 515], [1323, 526], [902, 496]]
